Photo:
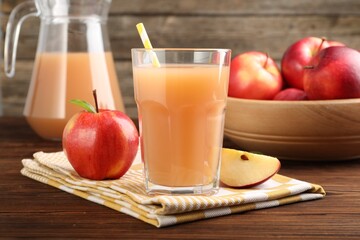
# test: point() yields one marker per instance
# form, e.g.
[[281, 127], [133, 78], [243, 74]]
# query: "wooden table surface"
[[35, 210]]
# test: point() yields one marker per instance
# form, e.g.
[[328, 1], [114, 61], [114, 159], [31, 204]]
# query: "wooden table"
[[35, 210]]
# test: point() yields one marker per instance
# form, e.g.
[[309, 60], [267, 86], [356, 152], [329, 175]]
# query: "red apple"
[[100, 144], [254, 75], [299, 55], [291, 94], [333, 74]]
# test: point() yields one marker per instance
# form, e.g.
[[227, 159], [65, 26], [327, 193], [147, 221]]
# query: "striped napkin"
[[127, 194]]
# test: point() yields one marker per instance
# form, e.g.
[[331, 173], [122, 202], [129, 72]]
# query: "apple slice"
[[244, 169]]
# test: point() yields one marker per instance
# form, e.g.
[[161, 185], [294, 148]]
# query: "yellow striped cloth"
[[127, 194]]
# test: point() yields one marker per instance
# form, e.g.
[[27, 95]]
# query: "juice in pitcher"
[[181, 115], [58, 78]]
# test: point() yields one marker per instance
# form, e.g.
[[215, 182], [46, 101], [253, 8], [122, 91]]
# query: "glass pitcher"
[[73, 57]]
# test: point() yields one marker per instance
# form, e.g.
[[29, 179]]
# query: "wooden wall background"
[[241, 25]]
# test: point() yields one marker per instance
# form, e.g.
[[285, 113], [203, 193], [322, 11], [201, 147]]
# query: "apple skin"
[[254, 75], [335, 43], [100, 145], [291, 94], [333, 74], [300, 54]]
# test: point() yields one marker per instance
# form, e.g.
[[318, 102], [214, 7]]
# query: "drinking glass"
[[181, 107]]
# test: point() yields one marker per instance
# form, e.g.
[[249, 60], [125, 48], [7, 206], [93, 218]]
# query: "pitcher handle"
[[16, 18]]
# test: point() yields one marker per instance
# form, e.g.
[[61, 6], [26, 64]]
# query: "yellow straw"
[[147, 44]]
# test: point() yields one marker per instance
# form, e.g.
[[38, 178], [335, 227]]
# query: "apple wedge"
[[243, 169]]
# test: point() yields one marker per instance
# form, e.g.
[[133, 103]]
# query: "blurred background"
[[241, 25]]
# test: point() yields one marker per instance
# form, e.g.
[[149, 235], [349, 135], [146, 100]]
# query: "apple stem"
[[323, 39], [267, 59], [96, 102], [309, 67]]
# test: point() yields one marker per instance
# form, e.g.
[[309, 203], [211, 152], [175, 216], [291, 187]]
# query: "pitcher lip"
[[73, 9]]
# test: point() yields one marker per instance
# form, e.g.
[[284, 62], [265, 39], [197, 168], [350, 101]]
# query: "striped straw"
[[147, 44]]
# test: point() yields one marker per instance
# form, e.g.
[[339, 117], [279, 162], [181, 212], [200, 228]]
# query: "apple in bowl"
[[334, 73], [254, 75]]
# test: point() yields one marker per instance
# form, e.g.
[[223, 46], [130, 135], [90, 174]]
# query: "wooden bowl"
[[296, 130]]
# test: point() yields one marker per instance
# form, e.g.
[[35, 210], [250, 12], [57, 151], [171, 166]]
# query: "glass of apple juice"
[[181, 108]]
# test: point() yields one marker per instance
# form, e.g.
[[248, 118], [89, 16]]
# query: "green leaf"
[[87, 106]]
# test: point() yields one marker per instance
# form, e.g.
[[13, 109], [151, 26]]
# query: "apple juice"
[[60, 77], [181, 116]]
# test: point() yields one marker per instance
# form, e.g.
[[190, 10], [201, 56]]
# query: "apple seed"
[[244, 157]]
